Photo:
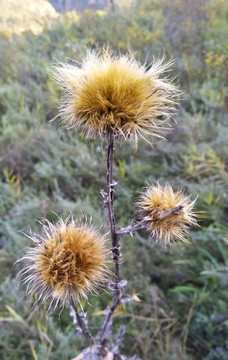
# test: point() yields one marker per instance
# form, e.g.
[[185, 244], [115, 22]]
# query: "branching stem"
[[134, 226], [114, 236], [115, 239]]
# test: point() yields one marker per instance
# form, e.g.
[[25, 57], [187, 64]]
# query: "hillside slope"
[[27, 15]]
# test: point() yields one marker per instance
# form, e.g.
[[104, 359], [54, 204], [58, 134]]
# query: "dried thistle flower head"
[[107, 92], [167, 214], [65, 263]]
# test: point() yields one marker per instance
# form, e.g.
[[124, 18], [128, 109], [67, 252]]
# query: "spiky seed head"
[[167, 214], [118, 93], [65, 263]]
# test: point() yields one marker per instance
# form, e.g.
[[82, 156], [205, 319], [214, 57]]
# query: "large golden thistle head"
[[167, 214], [107, 92], [65, 263]]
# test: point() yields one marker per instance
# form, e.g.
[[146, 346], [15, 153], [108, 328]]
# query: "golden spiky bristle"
[[66, 262], [118, 93], [167, 214]]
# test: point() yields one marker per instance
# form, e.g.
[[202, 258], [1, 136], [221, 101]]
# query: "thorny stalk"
[[134, 226], [111, 216], [114, 235], [102, 337], [82, 324]]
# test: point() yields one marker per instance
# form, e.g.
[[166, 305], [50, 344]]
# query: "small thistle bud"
[[65, 263], [167, 214], [107, 92]]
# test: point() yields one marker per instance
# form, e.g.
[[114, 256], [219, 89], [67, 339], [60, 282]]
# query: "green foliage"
[[45, 171]]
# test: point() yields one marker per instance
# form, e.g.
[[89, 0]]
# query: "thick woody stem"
[[82, 324]]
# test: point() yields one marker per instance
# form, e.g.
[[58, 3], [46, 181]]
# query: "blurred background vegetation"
[[183, 310]]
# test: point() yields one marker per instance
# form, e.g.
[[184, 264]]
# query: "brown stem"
[[82, 324], [114, 236], [110, 207], [131, 228], [110, 184]]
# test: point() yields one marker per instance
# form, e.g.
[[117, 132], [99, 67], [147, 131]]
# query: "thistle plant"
[[66, 263], [114, 99]]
